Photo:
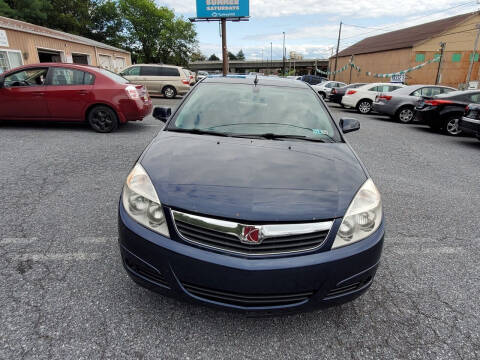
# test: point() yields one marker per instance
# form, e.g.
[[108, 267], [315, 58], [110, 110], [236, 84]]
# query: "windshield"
[[242, 109]]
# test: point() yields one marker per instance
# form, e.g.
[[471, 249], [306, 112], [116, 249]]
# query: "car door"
[[132, 74], [68, 93], [150, 78], [22, 95]]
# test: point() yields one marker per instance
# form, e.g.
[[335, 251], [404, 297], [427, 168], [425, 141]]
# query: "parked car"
[[313, 79], [202, 75], [470, 122], [400, 104], [167, 80], [363, 97], [68, 92], [285, 218], [337, 93], [444, 111], [191, 76], [324, 88]]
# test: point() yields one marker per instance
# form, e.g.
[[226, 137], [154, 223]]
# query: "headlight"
[[362, 218], [141, 202]]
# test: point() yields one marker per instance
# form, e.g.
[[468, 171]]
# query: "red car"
[[68, 92]]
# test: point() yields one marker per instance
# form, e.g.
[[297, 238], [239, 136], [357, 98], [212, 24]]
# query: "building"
[[295, 56], [403, 49], [22, 43]]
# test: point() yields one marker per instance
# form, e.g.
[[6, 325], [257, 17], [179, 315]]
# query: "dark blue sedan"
[[251, 199]]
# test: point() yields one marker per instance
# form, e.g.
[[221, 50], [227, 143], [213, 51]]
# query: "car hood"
[[253, 180]]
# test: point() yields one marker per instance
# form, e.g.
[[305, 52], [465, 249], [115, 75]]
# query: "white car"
[[326, 87], [202, 75], [363, 97]]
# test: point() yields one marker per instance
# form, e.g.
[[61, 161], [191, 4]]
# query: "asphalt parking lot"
[[65, 294]]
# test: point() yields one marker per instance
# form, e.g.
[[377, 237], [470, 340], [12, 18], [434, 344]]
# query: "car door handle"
[[38, 93], [82, 92]]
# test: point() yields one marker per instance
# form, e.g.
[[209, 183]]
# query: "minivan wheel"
[[406, 115], [364, 106], [451, 125], [169, 92], [103, 119]]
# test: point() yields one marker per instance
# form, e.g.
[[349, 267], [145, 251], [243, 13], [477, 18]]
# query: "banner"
[[377, 75]]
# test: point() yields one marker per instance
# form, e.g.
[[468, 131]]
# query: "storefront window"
[[10, 60]]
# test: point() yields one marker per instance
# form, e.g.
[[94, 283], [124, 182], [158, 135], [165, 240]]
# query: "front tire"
[[450, 125], [102, 119], [364, 106], [169, 92], [405, 115]]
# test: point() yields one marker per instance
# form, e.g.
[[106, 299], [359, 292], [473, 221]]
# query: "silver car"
[[400, 104]]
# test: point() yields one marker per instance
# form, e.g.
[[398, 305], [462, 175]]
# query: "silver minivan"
[[168, 80]]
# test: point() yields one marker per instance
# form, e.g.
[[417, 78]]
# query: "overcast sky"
[[311, 26]]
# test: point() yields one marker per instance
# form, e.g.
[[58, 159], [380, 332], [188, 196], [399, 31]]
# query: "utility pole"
[[271, 58], [338, 48], [224, 47], [262, 58], [442, 49], [351, 62], [473, 56], [283, 54]]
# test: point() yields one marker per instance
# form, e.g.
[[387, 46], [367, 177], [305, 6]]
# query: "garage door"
[[105, 62], [120, 64], [80, 59]]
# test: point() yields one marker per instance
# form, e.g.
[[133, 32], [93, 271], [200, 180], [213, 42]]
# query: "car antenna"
[[255, 82]]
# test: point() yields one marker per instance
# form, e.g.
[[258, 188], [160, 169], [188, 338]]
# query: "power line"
[[388, 28]]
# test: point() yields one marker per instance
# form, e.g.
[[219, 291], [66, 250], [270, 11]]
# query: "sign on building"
[[3, 38], [398, 78], [222, 8]]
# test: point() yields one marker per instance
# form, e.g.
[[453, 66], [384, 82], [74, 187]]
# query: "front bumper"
[[470, 126], [290, 283]]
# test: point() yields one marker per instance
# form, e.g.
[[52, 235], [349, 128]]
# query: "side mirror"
[[162, 113], [348, 125]]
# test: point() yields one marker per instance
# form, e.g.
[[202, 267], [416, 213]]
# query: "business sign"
[[398, 78], [222, 8], [3, 38]]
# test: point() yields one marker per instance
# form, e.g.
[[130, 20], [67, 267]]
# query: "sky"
[[311, 26]]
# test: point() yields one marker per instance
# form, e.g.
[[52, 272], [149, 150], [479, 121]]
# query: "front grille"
[[221, 240], [343, 289], [247, 300]]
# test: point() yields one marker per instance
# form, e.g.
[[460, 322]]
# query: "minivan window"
[[150, 71], [169, 71], [133, 71], [258, 110]]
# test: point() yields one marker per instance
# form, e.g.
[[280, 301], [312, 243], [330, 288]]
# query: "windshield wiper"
[[200, 132], [272, 136]]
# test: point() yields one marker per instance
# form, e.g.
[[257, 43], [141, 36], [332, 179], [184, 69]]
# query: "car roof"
[[56, 64], [249, 80], [158, 65]]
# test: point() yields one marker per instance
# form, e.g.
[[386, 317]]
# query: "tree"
[[34, 11], [213, 57], [156, 34], [240, 55], [231, 56], [197, 56], [106, 24]]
